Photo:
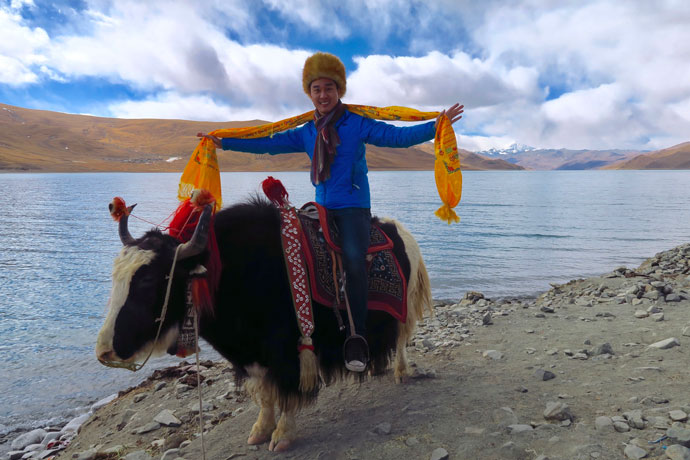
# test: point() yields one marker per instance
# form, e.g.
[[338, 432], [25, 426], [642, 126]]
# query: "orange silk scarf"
[[202, 168]]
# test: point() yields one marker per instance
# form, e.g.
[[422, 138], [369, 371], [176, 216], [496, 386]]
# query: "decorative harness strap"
[[290, 235]]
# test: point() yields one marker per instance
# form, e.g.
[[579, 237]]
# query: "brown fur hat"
[[324, 65]]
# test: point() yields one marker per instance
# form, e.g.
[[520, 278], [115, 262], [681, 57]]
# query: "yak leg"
[[265, 398], [400, 367], [285, 433]]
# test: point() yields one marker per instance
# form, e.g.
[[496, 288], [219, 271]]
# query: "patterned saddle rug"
[[387, 285]]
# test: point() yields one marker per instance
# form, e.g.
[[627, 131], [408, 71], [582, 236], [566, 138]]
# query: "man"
[[335, 142]]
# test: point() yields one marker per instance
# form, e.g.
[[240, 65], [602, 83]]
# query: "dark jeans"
[[353, 226]]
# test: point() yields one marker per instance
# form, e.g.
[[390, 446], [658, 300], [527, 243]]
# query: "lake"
[[519, 232]]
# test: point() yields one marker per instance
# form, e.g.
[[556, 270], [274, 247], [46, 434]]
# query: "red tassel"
[[275, 191], [201, 297], [118, 208]]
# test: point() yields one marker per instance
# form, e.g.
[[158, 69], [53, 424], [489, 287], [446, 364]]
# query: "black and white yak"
[[253, 322]]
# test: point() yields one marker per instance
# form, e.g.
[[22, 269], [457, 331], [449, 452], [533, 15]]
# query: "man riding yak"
[[334, 141], [218, 278]]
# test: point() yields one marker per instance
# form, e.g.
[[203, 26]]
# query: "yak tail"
[[421, 297], [418, 286]]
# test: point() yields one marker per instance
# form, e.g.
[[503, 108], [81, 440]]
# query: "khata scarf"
[[202, 168], [327, 140]]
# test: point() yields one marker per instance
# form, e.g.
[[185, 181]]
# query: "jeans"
[[353, 226]]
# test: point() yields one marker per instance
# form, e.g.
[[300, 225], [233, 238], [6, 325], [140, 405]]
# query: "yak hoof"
[[402, 378], [255, 439], [280, 446]]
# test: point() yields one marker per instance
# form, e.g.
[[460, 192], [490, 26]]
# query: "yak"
[[252, 322]]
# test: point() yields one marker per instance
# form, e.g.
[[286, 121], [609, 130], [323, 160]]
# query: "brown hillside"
[[676, 157], [37, 140]]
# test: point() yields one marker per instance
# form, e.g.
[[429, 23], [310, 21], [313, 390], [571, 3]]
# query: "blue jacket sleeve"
[[384, 135], [286, 142]]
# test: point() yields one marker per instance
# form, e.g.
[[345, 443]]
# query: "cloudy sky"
[[576, 74]]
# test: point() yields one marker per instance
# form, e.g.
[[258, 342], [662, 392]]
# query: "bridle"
[[183, 251]]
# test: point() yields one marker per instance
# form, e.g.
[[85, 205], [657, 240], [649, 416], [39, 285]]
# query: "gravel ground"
[[592, 369]]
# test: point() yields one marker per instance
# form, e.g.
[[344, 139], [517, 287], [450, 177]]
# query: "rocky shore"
[[591, 369]]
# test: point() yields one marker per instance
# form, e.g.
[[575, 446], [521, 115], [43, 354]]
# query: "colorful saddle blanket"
[[387, 284]]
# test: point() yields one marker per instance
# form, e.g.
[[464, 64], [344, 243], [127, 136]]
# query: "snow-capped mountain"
[[512, 149]]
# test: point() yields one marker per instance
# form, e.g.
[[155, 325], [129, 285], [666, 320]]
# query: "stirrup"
[[356, 353]]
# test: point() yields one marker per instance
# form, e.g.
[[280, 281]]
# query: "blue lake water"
[[519, 232]]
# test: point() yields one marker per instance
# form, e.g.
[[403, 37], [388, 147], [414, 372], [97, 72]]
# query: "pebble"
[[557, 411], [678, 415], [633, 452], [170, 454], [137, 455], [493, 354], [621, 427], [505, 416], [603, 349], [103, 402], [519, 428], [149, 427], [544, 375], [439, 454], [74, 424], [167, 418], [603, 423], [412, 441], [666, 344], [679, 435], [87, 455], [678, 452], [26, 439], [635, 419], [383, 428]]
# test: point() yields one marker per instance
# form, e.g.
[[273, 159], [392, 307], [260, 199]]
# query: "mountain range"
[[37, 140]]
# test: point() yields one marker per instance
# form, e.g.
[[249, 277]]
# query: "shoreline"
[[665, 278]]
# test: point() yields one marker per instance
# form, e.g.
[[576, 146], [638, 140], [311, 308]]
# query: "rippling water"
[[519, 231]]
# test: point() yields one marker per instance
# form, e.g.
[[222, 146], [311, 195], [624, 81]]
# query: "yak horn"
[[197, 244], [126, 238]]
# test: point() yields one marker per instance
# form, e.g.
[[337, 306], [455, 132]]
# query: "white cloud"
[[171, 105], [436, 80], [20, 50], [597, 74]]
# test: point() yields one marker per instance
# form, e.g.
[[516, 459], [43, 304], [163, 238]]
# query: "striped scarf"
[[327, 140]]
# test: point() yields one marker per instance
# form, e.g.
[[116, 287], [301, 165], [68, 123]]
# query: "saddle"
[[320, 244]]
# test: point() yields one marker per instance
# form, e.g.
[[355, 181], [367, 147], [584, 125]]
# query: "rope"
[[198, 384], [159, 226]]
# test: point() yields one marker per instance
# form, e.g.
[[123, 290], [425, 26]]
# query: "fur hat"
[[324, 65]]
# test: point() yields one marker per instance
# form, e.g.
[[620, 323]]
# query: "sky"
[[548, 74]]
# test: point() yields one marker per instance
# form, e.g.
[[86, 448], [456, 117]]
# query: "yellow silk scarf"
[[202, 168]]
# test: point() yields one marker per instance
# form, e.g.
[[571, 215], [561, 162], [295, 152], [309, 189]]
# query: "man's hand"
[[454, 113], [213, 138]]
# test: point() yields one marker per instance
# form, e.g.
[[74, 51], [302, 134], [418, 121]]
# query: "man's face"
[[324, 95]]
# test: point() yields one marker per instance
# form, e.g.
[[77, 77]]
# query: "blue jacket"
[[348, 186]]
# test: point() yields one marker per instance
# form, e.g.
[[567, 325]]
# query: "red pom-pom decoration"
[[275, 191], [118, 208]]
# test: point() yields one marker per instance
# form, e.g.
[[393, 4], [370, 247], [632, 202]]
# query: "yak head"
[[141, 275]]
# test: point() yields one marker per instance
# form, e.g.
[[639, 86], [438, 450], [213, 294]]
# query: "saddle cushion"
[[387, 285]]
